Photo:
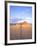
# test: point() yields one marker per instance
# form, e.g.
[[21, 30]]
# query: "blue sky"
[[18, 13]]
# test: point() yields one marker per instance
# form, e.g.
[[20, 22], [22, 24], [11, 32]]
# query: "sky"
[[20, 14]]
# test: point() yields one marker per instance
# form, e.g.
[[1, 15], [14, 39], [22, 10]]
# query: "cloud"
[[20, 21], [28, 19]]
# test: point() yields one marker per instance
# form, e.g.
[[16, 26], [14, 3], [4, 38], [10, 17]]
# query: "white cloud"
[[20, 21], [27, 19]]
